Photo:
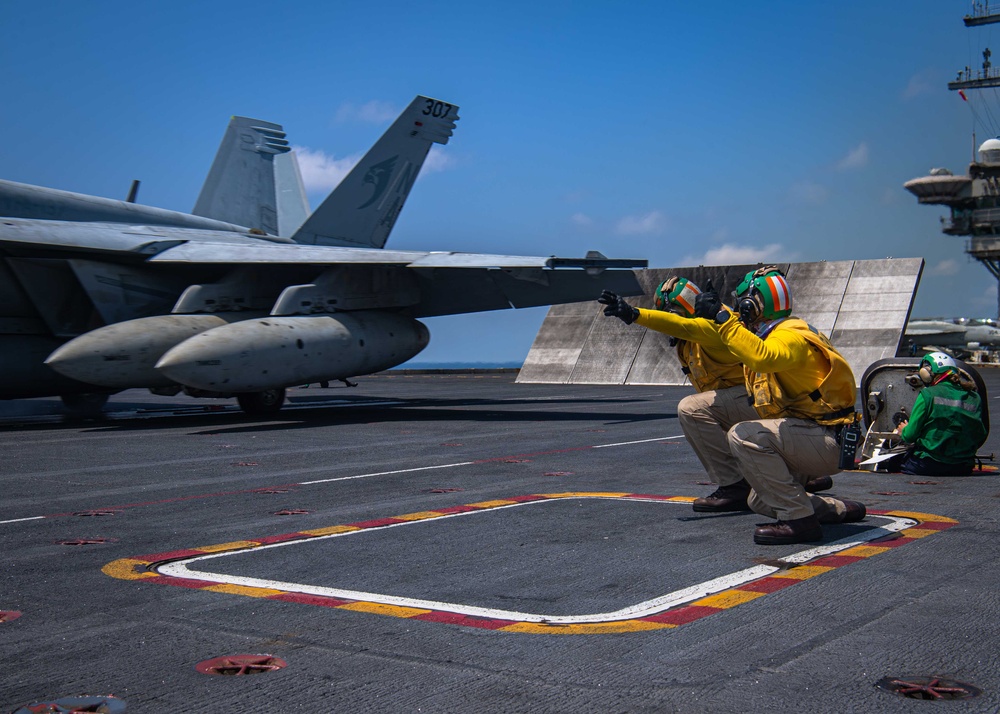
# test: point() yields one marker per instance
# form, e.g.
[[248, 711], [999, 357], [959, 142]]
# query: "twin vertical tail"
[[361, 211], [240, 186]]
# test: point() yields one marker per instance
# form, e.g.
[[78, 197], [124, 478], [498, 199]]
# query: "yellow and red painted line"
[[667, 611]]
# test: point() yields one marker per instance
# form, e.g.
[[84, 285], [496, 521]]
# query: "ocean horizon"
[[459, 365]]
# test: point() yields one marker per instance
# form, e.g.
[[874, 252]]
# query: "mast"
[[974, 199], [981, 15]]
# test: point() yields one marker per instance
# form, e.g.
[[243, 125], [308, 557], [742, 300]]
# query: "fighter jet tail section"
[[240, 185], [362, 210], [293, 206]]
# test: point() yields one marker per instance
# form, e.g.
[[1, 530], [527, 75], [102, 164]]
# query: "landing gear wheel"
[[88, 405], [263, 403]]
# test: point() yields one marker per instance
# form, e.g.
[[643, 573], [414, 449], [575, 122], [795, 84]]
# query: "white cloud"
[[733, 254], [581, 219], [650, 223], [891, 196], [856, 158], [945, 268], [987, 300], [920, 83], [437, 160], [373, 112], [809, 192], [321, 172]]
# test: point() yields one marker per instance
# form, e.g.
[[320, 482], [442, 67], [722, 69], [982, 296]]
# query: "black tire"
[[264, 403], [87, 405]]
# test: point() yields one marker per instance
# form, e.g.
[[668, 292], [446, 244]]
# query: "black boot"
[[799, 530], [854, 511], [820, 483], [725, 498]]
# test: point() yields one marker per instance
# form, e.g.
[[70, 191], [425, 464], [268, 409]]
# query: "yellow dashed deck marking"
[[864, 551], [127, 569], [918, 532], [332, 530], [803, 572], [596, 628], [418, 516], [243, 590], [235, 545], [730, 598], [378, 608]]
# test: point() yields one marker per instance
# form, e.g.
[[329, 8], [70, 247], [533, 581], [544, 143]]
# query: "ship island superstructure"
[[974, 199]]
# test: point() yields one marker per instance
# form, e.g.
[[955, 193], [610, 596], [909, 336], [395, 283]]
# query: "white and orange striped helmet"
[[676, 295], [769, 289]]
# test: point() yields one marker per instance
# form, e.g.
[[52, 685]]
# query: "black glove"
[[617, 307], [708, 303]]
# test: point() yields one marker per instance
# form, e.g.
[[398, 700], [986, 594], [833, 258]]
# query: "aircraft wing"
[[261, 252], [934, 328], [278, 277]]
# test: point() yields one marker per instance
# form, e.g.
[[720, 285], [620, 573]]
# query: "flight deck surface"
[[457, 543]]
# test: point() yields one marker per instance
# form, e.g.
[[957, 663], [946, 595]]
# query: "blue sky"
[[683, 133]]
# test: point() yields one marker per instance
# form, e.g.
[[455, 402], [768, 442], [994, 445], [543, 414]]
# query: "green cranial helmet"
[[939, 363], [676, 295], [764, 294]]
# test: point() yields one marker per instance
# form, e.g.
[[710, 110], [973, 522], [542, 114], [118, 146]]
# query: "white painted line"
[[180, 569], [641, 441], [386, 473], [19, 520]]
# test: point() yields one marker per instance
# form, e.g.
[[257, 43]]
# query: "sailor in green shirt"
[[946, 426]]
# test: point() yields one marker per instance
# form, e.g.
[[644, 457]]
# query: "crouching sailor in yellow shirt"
[[717, 375], [705, 360], [802, 394]]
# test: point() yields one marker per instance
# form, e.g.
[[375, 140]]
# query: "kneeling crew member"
[[946, 426], [802, 393]]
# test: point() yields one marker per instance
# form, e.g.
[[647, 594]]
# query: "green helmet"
[[934, 364], [764, 294], [676, 295]]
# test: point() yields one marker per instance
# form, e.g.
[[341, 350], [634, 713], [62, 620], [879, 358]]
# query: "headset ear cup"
[[749, 310], [925, 375]]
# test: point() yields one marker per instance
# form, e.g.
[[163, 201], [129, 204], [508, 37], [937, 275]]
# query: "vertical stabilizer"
[[293, 206], [240, 185], [362, 210]]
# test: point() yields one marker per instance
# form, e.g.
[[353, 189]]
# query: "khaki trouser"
[[775, 456]]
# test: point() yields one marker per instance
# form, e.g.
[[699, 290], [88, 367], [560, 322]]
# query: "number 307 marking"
[[437, 109]]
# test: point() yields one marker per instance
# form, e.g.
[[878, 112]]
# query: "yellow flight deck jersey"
[[706, 360], [793, 372]]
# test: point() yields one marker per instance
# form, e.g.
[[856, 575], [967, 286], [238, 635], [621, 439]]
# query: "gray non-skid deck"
[[177, 477]]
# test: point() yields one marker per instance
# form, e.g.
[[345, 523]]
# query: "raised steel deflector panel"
[[875, 309], [862, 305], [558, 344]]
